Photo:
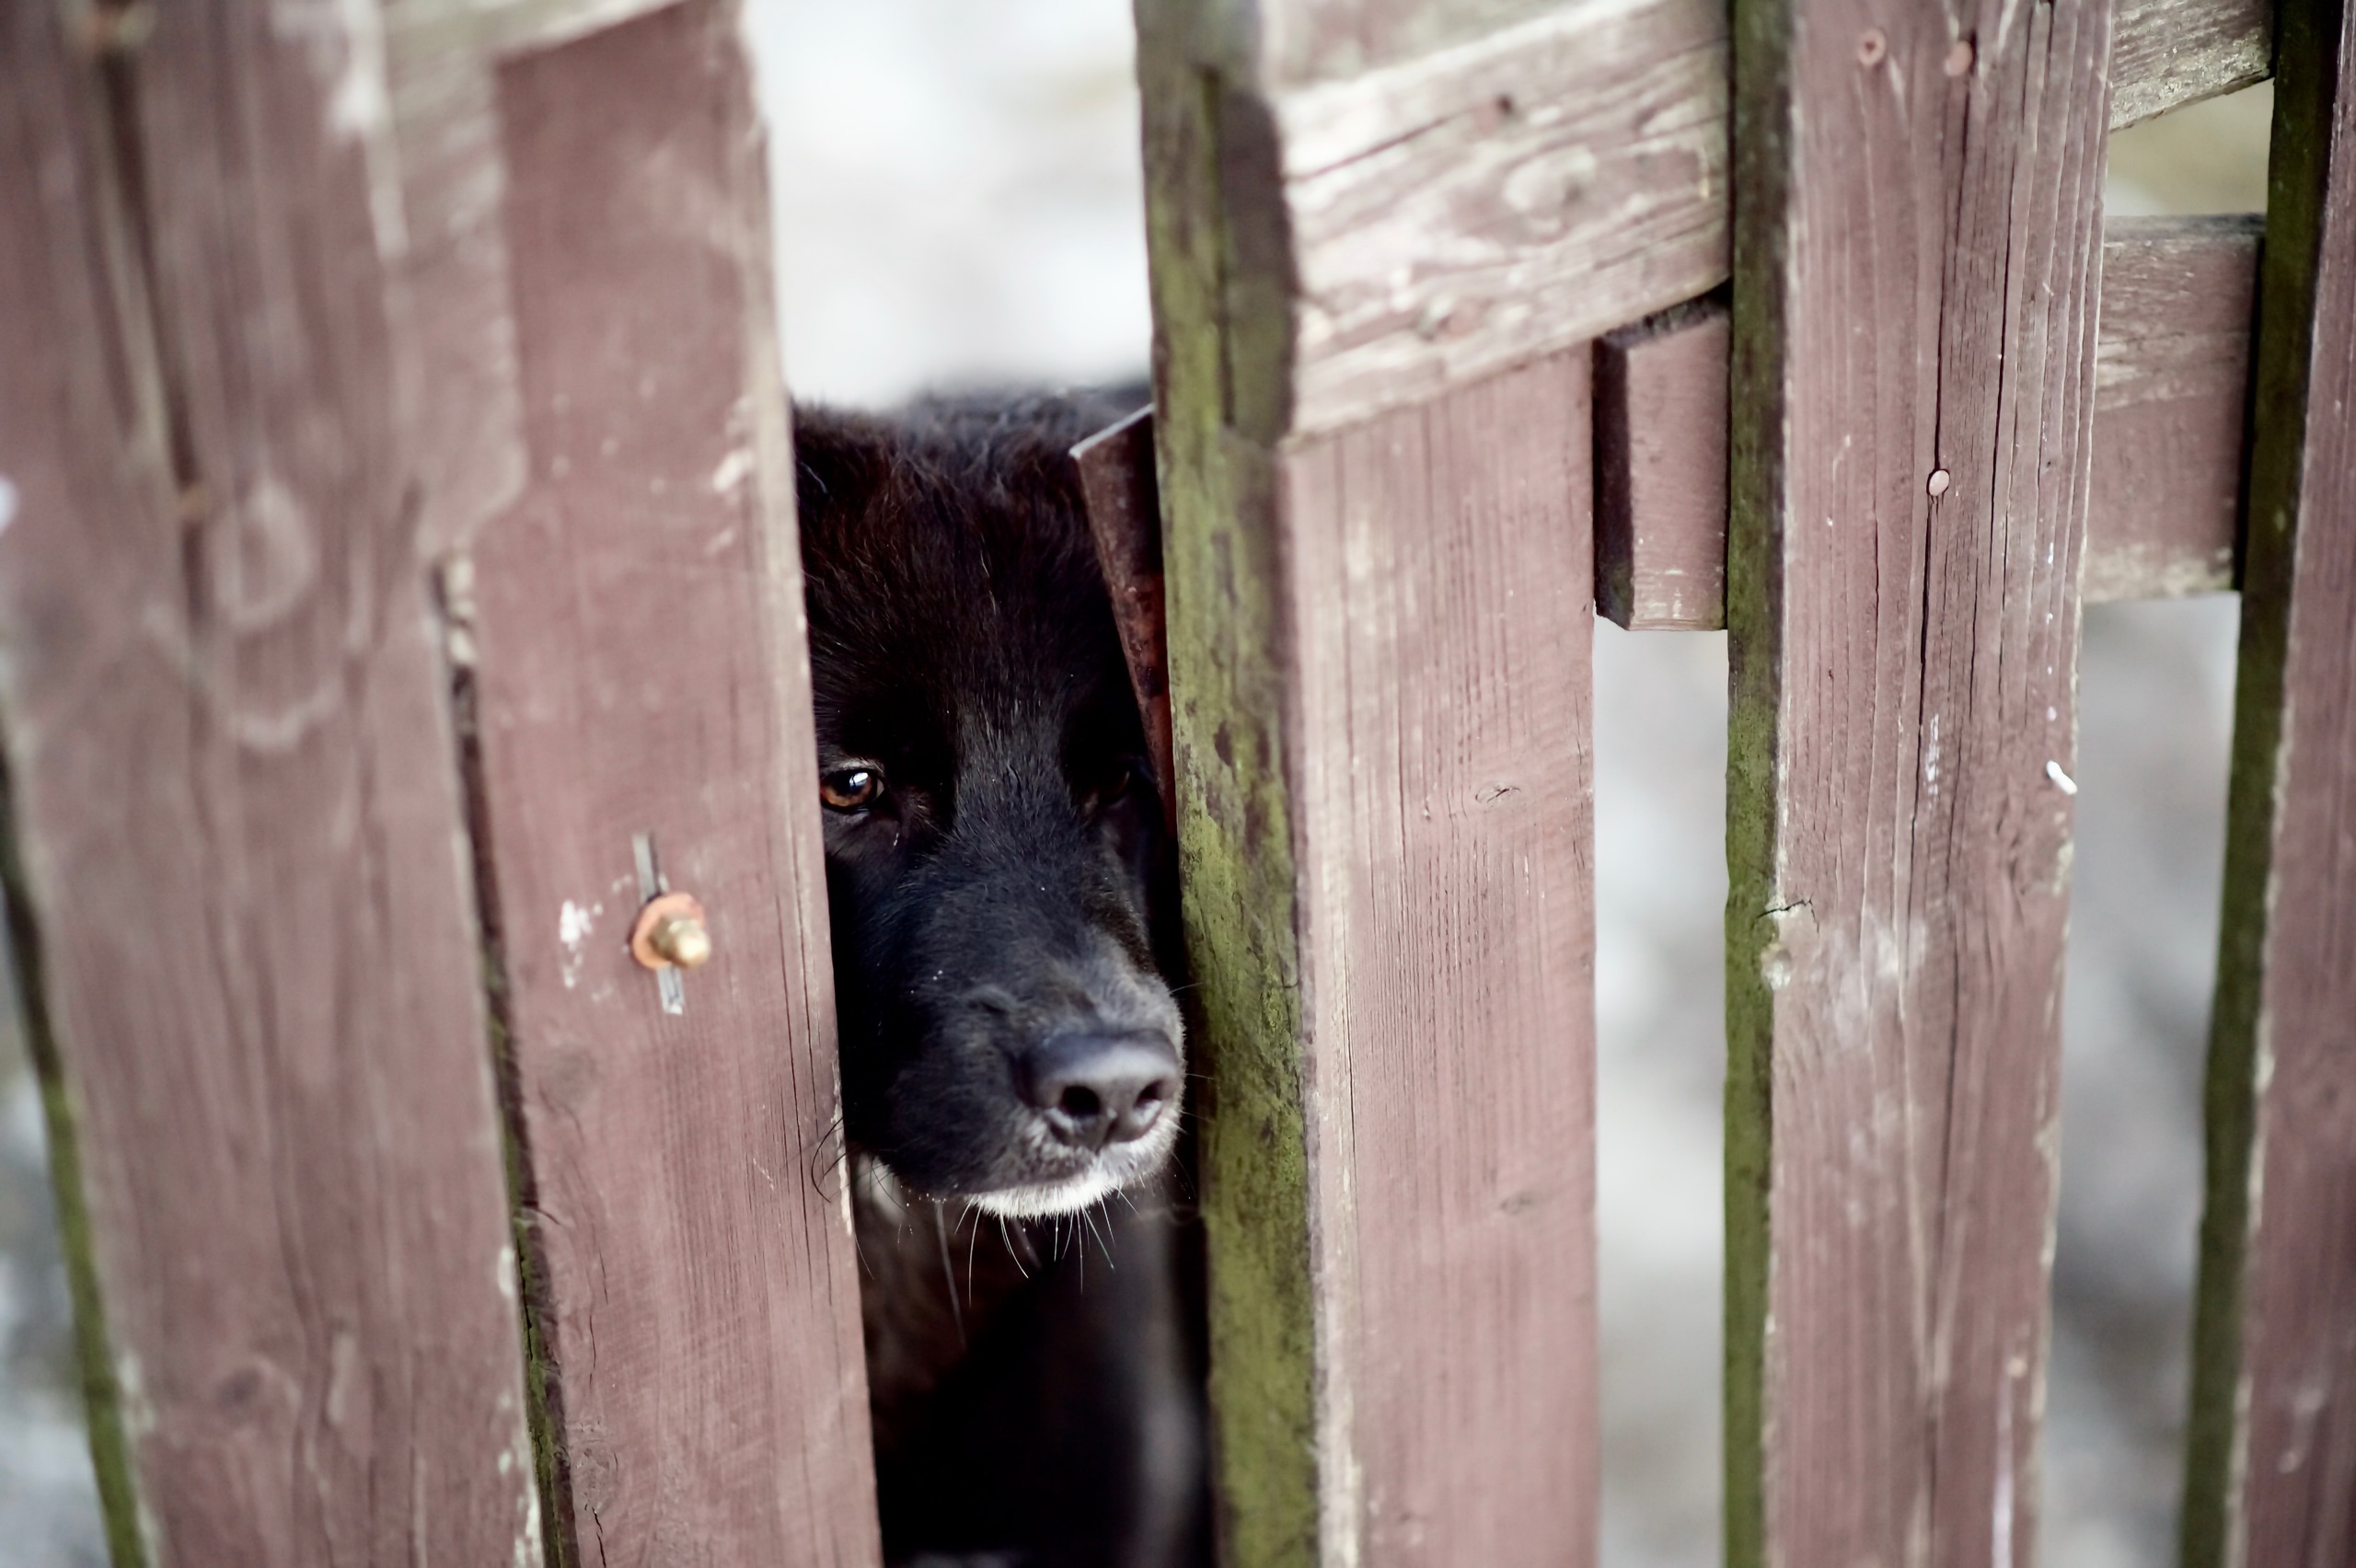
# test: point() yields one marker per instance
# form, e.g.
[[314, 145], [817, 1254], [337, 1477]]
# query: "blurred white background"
[[958, 200]]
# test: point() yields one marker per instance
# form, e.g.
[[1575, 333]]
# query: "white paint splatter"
[[572, 926], [732, 471], [2061, 780]]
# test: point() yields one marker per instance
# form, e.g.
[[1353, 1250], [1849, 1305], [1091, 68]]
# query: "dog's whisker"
[[949, 1272], [1009, 1239]]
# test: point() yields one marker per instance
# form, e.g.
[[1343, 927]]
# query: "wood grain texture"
[[1378, 643], [2171, 406], [235, 799], [440, 182], [642, 672], [1470, 184], [1501, 200], [2271, 1455], [2171, 390], [1917, 266], [1441, 759], [1115, 468], [1660, 471], [2167, 54]]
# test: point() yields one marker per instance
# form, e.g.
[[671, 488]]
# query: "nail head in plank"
[[642, 673], [2171, 389], [234, 790], [2271, 1450], [1917, 262]]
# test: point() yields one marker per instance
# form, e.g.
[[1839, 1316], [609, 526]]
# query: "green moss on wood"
[[2308, 48], [1223, 339], [102, 1397], [1761, 140]]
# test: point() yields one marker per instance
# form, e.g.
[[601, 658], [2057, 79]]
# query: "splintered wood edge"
[[2169, 410], [1380, 187]]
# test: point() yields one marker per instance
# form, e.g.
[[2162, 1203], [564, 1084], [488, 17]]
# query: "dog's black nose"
[[1100, 1088]]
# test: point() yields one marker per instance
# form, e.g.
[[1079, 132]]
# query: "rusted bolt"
[[671, 934], [1871, 46]]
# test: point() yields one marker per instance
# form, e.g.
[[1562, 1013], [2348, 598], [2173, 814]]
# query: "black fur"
[[995, 868]]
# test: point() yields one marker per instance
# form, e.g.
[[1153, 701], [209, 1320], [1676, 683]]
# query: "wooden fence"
[[398, 586]]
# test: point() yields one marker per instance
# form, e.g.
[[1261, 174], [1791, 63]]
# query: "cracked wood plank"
[[2271, 1451], [642, 674], [240, 900], [1917, 271], [2171, 395]]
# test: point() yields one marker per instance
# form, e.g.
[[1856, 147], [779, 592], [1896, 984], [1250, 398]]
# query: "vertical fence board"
[[1378, 663], [2271, 1461], [1440, 568], [1917, 267], [235, 798], [642, 673]]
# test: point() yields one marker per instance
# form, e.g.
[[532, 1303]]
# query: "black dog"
[[1011, 1057]]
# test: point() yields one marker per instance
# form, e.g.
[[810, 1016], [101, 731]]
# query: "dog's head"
[[992, 834]]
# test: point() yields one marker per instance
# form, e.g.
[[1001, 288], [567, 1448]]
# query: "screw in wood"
[[671, 933], [1872, 46], [1939, 482], [1960, 57]]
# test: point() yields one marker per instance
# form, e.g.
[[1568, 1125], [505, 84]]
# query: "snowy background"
[[958, 200]]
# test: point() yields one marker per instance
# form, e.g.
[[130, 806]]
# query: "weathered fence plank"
[[1378, 646], [1917, 264], [243, 906], [644, 707], [2171, 393], [1471, 183], [1115, 468], [2271, 1461], [2167, 54], [1660, 471], [2171, 406]]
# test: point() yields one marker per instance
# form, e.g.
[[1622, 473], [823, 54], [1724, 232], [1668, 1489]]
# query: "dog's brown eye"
[[850, 789]]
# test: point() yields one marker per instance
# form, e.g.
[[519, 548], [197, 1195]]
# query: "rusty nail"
[[671, 933], [1872, 46]]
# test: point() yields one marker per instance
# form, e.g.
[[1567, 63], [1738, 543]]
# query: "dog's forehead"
[[935, 616]]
